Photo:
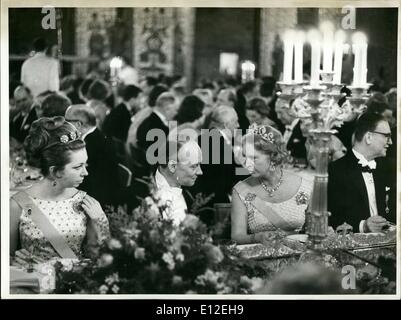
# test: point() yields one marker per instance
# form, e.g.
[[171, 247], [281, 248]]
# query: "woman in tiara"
[[272, 200], [53, 219]]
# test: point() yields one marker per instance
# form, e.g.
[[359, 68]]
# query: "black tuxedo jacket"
[[347, 194], [102, 180], [296, 143], [151, 122], [117, 123], [217, 178], [19, 131]]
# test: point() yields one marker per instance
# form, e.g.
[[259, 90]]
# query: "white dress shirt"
[[173, 196], [40, 73], [369, 183]]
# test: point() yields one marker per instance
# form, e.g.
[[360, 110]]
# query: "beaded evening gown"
[[69, 221], [288, 215]]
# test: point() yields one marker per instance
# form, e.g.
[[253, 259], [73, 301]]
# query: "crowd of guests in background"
[[114, 122]]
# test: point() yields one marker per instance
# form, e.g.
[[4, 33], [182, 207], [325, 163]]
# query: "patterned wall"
[[154, 40], [273, 22], [332, 14], [92, 34]]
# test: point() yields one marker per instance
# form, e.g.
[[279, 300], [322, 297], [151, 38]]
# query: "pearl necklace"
[[273, 189]]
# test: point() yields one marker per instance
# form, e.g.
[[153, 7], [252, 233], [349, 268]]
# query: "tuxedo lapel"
[[356, 179]]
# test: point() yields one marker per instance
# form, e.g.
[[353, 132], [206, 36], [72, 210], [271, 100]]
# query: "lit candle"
[[299, 48], [338, 56], [288, 40], [115, 66], [359, 48], [314, 39], [248, 71], [327, 29]]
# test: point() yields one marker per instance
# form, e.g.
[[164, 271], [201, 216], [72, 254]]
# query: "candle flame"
[[313, 36], [116, 62], [359, 38], [340, 36]]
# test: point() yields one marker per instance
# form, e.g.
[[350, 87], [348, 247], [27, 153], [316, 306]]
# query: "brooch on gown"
[[301, 198], [77, 206], [250, 196]]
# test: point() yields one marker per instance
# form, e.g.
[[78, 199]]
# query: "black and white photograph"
[[233, 150]]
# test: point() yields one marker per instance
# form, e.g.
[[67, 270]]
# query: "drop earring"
[[54, 183], [272, 167]]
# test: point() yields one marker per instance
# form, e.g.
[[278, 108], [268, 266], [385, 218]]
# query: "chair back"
[[125, 175]]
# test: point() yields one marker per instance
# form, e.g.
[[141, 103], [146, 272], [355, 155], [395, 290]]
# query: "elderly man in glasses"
[[357, 183]]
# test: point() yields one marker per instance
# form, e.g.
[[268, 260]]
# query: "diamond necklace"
[[273, 189]]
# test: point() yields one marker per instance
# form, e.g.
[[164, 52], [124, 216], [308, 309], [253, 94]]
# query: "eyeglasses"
[[387, 135], [72, 120]]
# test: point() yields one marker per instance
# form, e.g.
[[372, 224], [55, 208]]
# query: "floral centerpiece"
[[149, 255]]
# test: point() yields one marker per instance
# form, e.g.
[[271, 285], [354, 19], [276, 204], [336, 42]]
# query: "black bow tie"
[[366, 169]]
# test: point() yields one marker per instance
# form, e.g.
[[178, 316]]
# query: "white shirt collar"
[[225, 136], [293, 124], [161, 116], [362, 160], [162, 183], [87, 133]]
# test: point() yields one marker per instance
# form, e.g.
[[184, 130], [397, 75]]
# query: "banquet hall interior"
[[121, 121]]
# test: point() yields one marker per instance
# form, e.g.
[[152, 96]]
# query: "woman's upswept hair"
[[50, 142]]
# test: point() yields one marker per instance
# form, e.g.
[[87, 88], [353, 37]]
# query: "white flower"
[[103, 289], [180, 257], [177, 280], [139, 253], [114, 244], [169, 260], [115, 288], [208, 277], [105, 260], [112, 279]]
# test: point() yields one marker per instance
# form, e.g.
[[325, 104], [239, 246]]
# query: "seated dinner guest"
[[25, 114], [357, 183], [271, 199], [53, 219], [179, 166], [258, 112], [190, 119]]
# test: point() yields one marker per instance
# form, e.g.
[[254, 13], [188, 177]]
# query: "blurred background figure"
[[33, 73], [128, 74], [118, 121], [55, 105], [226, 97], [98, 92], [258, 112], [24, 115], [190, 119]]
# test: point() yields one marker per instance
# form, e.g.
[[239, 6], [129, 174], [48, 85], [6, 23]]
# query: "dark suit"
[[240, 108], [19, 129], [218, 178], [117, 122], [347, 194], [102, 181], [296, 143], [151, 122]]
